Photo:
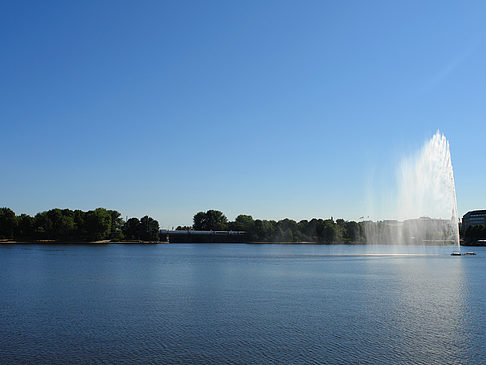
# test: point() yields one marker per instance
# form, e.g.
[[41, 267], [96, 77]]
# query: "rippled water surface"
[[210, 303]]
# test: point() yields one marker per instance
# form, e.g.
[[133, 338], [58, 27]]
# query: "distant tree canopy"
[[149, 229], [146, 229], [132, 229], [68, 225], [212, 220], [8, 223], [285, 230], [103, 224]]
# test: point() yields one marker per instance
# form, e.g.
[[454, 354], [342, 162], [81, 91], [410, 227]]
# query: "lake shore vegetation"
[[68, 225], [105, 225]]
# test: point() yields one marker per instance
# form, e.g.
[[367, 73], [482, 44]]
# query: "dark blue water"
[[240, 304]]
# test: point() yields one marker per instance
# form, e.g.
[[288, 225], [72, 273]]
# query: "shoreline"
[[107, 242], [104, 242]]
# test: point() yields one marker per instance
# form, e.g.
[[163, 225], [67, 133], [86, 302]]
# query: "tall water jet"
[[426, 206]]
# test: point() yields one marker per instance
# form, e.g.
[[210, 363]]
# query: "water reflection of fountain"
[[426, 207]]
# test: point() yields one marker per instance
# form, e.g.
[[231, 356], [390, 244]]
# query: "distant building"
[[473, 218], [191, 236]]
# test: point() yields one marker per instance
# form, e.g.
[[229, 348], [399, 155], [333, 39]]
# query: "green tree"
[[244, 223], [25, 227], [330, 232], [309, 229], [98, 223], [326, 231], [149, 228], [63, 226], [131, 229], [212, 220], [116, 223], [353, 231], [42, 226], [287, 231], [302, 231], [199, 221], [8, 223], [81, 229], [265, 230]]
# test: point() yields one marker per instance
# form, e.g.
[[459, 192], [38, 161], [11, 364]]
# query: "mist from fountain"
[[426, 206]]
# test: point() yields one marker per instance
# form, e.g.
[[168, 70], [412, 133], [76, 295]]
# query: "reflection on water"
[[426, 304], [241, 303]]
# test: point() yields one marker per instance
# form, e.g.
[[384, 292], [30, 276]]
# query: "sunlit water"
[[212, 303]]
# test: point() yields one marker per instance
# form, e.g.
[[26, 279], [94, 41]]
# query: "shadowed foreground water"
[[212, 303]]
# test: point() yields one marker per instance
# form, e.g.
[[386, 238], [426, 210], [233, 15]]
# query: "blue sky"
[[270, 108]]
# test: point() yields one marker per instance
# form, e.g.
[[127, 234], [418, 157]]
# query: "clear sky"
[[270, 108]]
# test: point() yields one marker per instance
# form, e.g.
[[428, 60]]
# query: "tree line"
[[104, 224], [285, 230], [76, 225], [333, 231]]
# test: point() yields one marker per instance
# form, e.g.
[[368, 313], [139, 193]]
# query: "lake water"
[[237, 303]]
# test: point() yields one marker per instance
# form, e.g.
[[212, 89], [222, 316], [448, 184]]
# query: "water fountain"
[[426, 207]]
